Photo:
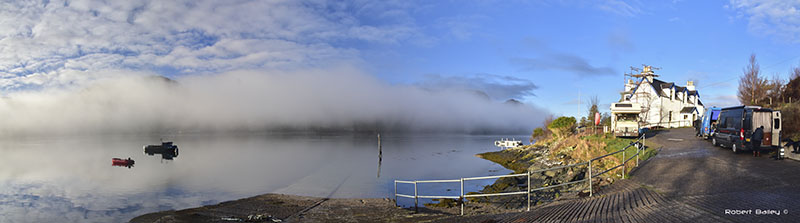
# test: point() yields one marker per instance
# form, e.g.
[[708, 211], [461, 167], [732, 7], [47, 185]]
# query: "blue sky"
[[705, 41], [540, 52]]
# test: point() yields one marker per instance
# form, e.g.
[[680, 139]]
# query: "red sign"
[[596, 118]]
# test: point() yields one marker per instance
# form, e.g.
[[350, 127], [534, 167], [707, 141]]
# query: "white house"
[[664, 104]]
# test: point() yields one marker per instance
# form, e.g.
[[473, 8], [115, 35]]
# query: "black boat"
[[166, 149]]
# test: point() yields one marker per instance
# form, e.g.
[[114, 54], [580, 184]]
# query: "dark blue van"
[[736, 125]]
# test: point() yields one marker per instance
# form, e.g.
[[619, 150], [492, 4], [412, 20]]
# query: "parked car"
[[709, 119], [736, 124]]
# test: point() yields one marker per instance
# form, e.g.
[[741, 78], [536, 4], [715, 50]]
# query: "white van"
[[625, 118]]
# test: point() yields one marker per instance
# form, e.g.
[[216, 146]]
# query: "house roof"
[[688, 109], [657, 85]]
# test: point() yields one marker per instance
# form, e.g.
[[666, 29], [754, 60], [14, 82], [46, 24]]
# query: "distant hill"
[[162, 78], [513, 102]]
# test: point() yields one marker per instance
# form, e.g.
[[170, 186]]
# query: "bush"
[[562, 126], [790, 121], [537, 133], [545, 133]]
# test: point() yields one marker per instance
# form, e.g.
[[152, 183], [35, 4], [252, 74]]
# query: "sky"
[[543, 53]]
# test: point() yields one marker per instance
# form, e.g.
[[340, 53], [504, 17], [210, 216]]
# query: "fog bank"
[[340, 99]]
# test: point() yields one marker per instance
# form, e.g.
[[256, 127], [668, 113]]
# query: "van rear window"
[[731, 118], [762, 119]]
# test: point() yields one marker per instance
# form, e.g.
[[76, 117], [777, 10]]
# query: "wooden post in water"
[[380, 155]]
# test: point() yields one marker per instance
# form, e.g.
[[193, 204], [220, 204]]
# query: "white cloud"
[[620, 39], [620, 7], [780, 19], [496, 87], [330, 98], [721, 100], [190, 36]]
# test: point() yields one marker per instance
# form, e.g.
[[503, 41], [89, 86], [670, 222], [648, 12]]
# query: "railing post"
[[395, 193], [462, 196], [623, 162], [415, 197], [638, 152], [590, 178], [529, 190]]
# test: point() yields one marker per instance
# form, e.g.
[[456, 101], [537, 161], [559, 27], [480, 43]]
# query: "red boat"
[[122, 162]]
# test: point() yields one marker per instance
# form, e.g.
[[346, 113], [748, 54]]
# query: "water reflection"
[[380, 155], [35, 186]]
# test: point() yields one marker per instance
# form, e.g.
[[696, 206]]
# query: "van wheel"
[[733, 147], [714, 141]]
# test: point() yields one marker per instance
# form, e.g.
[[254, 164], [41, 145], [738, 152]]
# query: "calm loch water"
[[71, 179]]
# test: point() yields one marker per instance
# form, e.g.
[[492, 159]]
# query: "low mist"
[[341, 99]]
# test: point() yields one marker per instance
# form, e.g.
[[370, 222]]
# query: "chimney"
[[629, 86], [672, 93], [690, 85], [647, 71]]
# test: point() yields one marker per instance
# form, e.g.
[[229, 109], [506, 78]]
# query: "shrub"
[[791, 120], [537, 133], [562, 126], [545, 132]]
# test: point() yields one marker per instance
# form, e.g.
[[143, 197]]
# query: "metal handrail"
[[606, 171], [416, 195], [494, 194], [612, 153], [559, 167], [437, 181], [492, 177], [559, 185], [632, 156], [438, 197], [624, 161]]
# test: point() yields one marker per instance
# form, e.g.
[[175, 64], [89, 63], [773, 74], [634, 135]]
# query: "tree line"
[[775, 92], [755, 89]]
